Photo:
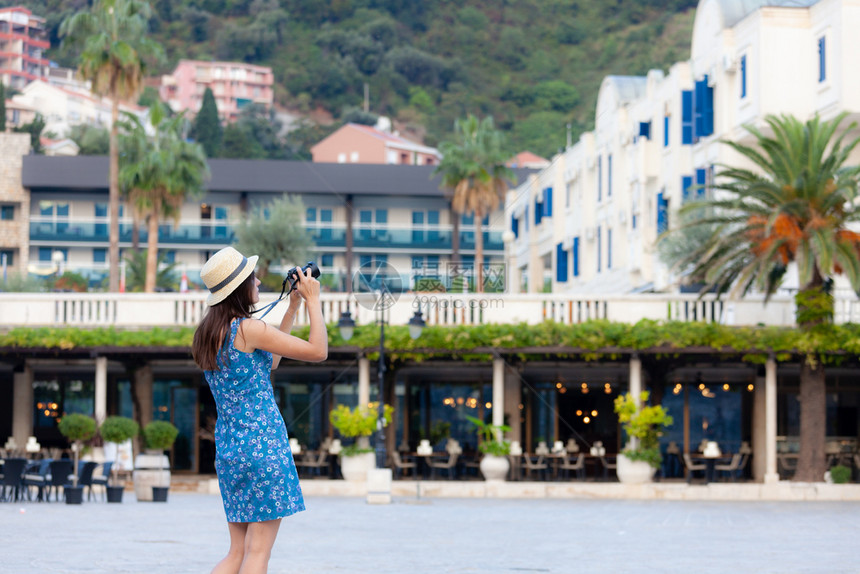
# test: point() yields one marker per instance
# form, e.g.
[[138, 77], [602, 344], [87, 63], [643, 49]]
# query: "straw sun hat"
[[225, 271]]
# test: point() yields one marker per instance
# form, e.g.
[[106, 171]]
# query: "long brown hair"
[[211, 332]]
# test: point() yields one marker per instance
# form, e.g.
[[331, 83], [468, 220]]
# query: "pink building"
[[234, 85], [355, 143], [23, 40]]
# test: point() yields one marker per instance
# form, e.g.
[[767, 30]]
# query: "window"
[[560, 264], [538, 211], [822, 59], [599, 177], [662, 213], [311, 215], [666, 131], [645, 130], [686, 184], [547, 202], [325, 221], [599, 247], [743, 67], [7, 212], [99, 255], [575, 256], [609, 249], [609, 176], [687, 117], [703, 109], [327, 260], [6, 258], [701, 183], [515, 226]]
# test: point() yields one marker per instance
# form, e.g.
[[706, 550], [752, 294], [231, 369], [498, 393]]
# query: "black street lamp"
[[346, 325]]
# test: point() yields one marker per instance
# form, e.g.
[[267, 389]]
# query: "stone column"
[[363, 381], [498, 391], [635, 389], [771, 474], [22, 405], [759, 430], [101, 390]]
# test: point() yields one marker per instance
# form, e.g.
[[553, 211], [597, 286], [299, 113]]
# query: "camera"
[[293, 274]]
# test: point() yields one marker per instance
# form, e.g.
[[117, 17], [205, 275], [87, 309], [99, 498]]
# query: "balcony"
[[133, 310], [208, 232]]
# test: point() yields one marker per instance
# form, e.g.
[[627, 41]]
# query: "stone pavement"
[[345, 535]]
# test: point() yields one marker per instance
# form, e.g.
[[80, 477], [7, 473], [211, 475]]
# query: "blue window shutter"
[[575, 256], [822, 59], [311, 215], [560, 264], [665, 131], [662, 213], [609, 176], [645, 130], [701, 179], [699, 107], [599, 246], [708, 120], [538, 212], [609, 249], [515, 226], [599, 177], [686, 184], [381, 216], [686, 117], [743, 76], [547, 202]]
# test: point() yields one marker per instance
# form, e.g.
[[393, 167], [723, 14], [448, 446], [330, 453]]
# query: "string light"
[[750, 387], [725, 386], [488, 405]]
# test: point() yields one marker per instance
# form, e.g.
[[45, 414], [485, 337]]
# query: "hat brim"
[[224, 292]]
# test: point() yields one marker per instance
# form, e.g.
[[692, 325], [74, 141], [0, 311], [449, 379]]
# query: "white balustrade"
[[186, 309]]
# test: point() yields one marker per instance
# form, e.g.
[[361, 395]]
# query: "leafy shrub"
[[118, 429], [644, 422], [77, 427], [160, 435], [360, 421], [840, 474]]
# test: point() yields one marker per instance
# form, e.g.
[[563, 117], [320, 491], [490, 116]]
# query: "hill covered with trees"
[[534, 65]]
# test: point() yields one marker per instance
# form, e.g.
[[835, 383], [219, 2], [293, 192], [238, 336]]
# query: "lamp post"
[[346, 325]]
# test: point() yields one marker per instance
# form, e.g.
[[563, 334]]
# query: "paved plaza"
[[346, 535]]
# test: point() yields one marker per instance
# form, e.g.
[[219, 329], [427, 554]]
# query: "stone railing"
[[136, 310]]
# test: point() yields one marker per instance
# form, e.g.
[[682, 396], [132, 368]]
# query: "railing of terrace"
[[133, 310]]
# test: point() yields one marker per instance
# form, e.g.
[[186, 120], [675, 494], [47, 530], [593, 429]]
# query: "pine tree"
[[207, 127]]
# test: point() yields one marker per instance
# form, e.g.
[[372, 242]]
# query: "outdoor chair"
[[569, 464], [13, 474], [732, 468], [58, 476], [448, 465], [36, 475], [607, 466], [85, 476], [538, 465], [400, 466], [316, 462], [103, 479], [692, 467], [472, 465]]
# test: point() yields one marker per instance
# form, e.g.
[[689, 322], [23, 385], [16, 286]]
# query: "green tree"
[[276, 233], [473, 169], [797, 207], [239, 143], [116, 49], [92, 140], [135, 274], [2, 107], [207, 127], [160, 171], [34, 128]]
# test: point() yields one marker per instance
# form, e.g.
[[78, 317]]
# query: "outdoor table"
[[710, 462]]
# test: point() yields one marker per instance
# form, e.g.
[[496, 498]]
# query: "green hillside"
[[535, 65]]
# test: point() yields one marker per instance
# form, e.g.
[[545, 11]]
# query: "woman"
[[256, 472]]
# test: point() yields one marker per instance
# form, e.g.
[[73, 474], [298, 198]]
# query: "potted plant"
[[77, 428], [644, 425], [158, 436], [117, 430], [358, 423], [494, 464]]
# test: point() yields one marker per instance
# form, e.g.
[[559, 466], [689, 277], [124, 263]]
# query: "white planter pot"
[[495, 467], [634, 471], [150, 470], [354, 468]]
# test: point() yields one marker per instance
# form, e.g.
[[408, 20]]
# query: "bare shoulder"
[[252, 330]]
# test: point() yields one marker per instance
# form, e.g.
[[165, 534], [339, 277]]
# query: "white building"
[[589, 221]]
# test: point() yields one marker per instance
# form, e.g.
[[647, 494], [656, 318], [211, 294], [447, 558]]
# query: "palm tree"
[[115, 50], [160, 171], [796, 208], [473, 166]]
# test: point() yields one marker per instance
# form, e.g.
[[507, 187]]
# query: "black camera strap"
[[271, 305]]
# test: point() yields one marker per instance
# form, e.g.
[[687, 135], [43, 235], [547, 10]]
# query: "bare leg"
[[233, 561], [259, 540]]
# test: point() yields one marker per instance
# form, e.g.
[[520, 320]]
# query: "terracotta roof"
[[392, 138], [526, 158]]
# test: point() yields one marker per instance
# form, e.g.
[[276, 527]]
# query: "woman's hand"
[[308, 287]]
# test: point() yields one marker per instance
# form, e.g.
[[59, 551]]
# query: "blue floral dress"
[[255, 466]]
